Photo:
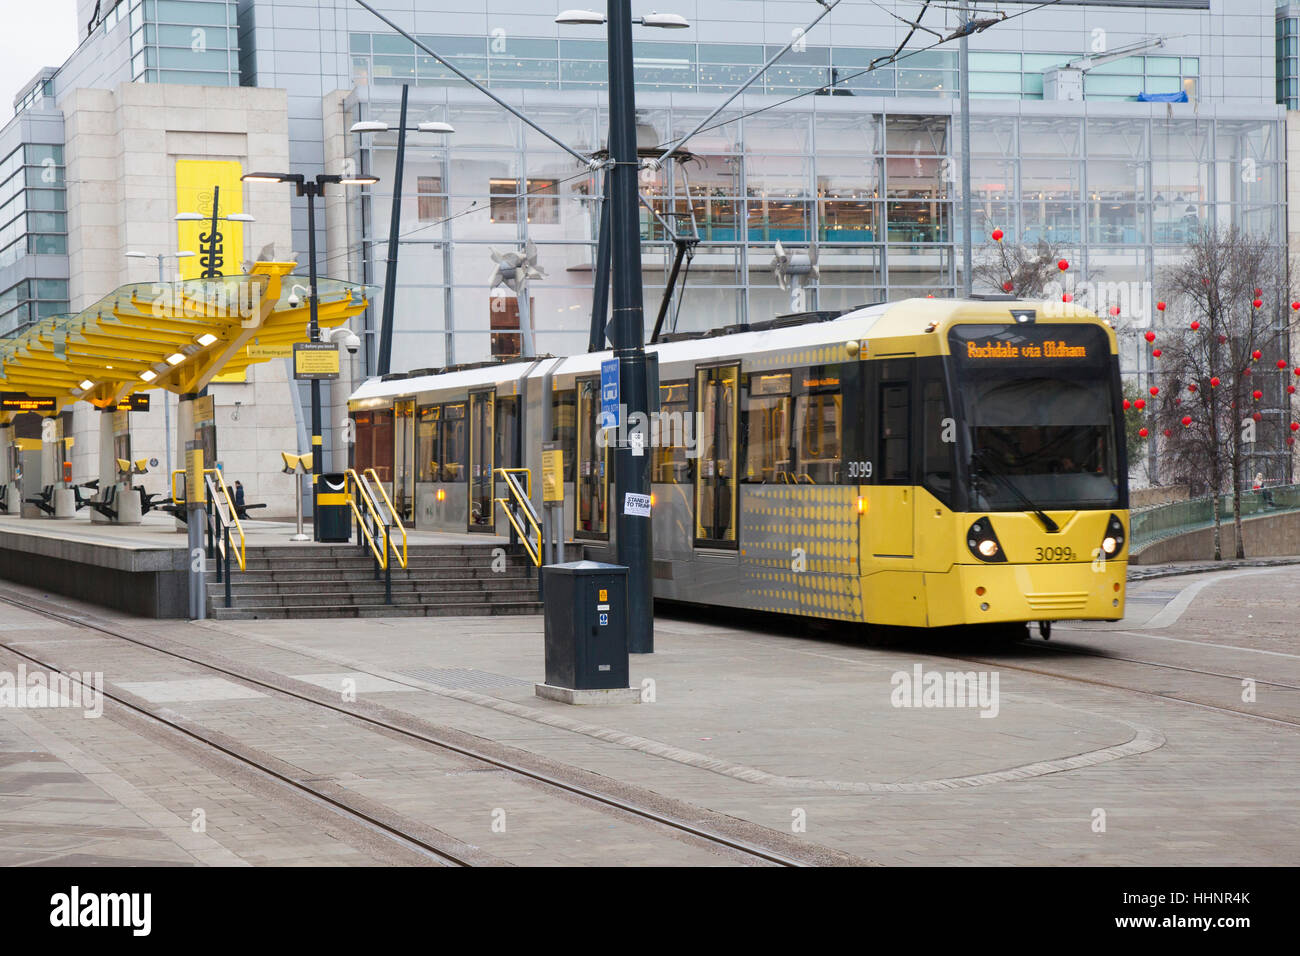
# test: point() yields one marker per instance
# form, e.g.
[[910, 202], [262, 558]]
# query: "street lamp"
[[631, 472], [167, 405], [311, 188], [210, 245], [395, 222]]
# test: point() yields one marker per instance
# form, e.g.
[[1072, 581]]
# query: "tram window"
[[507, 432], [715, 481], [937, 441], [765, 427], [427, 434], [374, 444], [894, 444], [673, 433], [454, 442], [593, 462], [819, 418], [564, 429]]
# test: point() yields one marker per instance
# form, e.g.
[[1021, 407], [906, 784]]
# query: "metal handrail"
[[523, 498], [352, 478], [1180, 517], [230, 503], [372, 475]]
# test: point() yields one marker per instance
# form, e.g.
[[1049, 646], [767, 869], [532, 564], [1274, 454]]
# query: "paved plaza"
[[1074, 760]]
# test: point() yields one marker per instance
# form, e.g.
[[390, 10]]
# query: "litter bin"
[[333, 514], [586, 625]]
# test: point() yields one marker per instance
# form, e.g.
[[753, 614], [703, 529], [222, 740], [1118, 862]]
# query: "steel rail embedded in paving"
[[645, 813]]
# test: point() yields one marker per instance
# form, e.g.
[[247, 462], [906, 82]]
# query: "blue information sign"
[[609, 392]]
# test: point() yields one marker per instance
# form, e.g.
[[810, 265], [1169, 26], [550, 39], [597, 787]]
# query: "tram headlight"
[[1113, 543], [983, 542]]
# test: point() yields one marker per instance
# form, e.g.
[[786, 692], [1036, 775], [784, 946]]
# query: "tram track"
[[1113, 685], [645, 815]]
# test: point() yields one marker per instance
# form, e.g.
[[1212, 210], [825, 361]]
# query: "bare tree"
[[1218, 365], [1026, 270]]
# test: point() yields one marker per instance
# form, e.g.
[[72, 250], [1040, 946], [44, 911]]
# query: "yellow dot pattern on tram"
[[801, 551]]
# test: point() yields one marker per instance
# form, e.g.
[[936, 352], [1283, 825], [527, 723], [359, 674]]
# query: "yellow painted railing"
[[525, 504], [354, 481], [378, 486], [230, 505]]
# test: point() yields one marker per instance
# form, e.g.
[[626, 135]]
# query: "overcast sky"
[[32, 35]]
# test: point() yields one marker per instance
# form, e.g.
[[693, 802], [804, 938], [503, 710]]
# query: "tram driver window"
[[937, 441], [894, 444]]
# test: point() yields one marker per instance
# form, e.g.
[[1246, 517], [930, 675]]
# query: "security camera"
[[295, 299], [351, 342], [343, 335]]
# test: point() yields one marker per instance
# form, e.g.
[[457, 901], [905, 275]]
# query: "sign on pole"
[[315, 360], [609, 387], [552, 472]]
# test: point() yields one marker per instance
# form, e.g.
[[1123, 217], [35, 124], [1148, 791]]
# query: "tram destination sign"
[[979, 345], [22, 402]]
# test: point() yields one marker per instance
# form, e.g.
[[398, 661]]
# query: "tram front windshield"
[[1038, 403]]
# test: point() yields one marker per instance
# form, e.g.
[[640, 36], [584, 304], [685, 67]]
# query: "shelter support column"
[[107, 460], [184, 435], [12, 499]]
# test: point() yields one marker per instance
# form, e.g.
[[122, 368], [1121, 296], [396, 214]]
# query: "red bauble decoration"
[[1195, 326], [1178, 401], [1290, 389], [1127, 404], [1187, 420], [1259, 292], [997, 235], [1295, 426], [1063, 265], [1297, 371], [1150, 336], [1114, 310], [1281, 363], [1168, 433], [1140, 404], [1258, 394], [1214, 382], [1142, 432], [1192, 387], [1160, 306], [1007, 286], [1257, 416], [1155, 353], [1245, 371], [1066, 297], [1295, 306], [1256, 355], [1155, 390], [1257, 303], [1290, 441], [1222, 339]]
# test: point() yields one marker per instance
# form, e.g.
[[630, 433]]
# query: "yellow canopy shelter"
[[175, 336]]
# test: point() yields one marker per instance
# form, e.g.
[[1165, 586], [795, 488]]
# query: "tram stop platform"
[[143, 569]]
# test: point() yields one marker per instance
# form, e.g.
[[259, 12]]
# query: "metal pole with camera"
[[311, 188]]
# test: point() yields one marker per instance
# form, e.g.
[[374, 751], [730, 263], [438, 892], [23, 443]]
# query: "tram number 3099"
[[859, 469], [1054, 554]]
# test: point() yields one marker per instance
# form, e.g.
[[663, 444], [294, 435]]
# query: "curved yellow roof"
[[172, 335]]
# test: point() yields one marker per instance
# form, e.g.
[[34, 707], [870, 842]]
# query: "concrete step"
[[317, 576], [264, 612], [314, 598], [242, 584], [361, 563]]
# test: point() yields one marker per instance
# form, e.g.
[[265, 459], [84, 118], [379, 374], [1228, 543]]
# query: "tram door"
[[715, 474], [404, 463], [481, 446], [592, 456]]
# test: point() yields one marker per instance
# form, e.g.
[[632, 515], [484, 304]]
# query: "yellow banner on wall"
[[198, 181]]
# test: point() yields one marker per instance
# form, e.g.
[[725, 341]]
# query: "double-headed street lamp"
[[627, 328], [211, 250], [395, 222], [311, 188], [166, 397]]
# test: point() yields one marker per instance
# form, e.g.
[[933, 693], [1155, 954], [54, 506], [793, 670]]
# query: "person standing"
[[239, 501]]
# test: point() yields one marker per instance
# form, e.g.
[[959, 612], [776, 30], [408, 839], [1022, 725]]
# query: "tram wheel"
[[1045, 630]]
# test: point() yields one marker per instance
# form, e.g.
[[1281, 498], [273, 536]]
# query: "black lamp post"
[[627, 325], [383, 367], [311, 188]]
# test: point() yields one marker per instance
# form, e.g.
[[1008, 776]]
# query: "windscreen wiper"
[[979, 463]]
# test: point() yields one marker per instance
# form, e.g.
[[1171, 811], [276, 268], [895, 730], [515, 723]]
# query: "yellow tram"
[[922, 463]]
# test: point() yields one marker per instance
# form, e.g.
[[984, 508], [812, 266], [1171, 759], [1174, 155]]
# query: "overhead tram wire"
[[839, 81]]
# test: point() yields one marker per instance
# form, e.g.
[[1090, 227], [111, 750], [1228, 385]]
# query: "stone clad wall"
[[1267, 536]]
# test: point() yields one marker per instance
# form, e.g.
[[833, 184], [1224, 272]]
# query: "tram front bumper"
[[1000, 593]]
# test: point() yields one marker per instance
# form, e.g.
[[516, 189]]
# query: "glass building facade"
[[872, 183], [33, 222]]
